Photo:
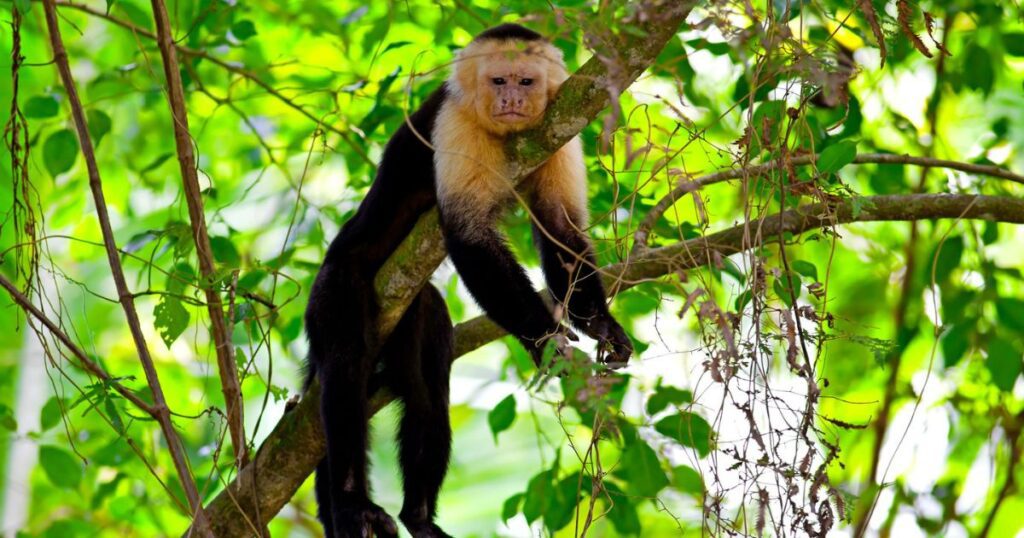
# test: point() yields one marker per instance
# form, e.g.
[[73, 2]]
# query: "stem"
[[227, 66], [687, 186], [907, 289], [194, 198], [160, 411]]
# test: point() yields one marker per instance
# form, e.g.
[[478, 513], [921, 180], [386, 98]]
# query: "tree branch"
[[296, 445], [231, 68], [86, 362], [687, 186], [655, 263], [229, 384], [277, 468], [160, 411]]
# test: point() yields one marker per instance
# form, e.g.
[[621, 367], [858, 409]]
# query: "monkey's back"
[[402, 191]]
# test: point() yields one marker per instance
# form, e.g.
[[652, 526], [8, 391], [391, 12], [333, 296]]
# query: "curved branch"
[[278, 467], [685, 187], [297, 444], [655, 263]]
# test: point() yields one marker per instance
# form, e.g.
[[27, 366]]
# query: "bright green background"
[[279, 186]]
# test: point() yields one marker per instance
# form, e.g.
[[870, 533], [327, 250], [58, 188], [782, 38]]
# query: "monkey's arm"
[[497, 281], [558, 205]]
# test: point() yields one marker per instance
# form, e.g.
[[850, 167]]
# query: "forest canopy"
[[806, 214]]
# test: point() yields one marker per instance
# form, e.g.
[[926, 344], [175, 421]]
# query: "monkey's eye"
[[498, 81], [526, 82]]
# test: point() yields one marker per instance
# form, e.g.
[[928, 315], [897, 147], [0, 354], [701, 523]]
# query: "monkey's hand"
[[559, 339], [613, 345]]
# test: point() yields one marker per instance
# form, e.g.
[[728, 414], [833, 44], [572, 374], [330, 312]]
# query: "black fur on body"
[[415, 361]]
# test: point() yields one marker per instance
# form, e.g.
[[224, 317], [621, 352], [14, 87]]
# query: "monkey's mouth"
[[511, 116]]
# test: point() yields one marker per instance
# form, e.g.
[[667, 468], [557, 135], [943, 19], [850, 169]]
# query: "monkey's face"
[[506, 85], [512, 93]]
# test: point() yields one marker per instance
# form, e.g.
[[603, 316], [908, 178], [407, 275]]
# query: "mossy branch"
[[296, 445]]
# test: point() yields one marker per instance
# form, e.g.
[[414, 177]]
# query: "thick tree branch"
[[655, 263], [296, 445], [229, 384], [160, 412], [585, 94]]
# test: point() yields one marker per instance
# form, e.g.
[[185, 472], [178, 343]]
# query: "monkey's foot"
[[425, 530], [363, 520]]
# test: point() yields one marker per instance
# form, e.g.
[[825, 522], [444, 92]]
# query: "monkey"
[[448, 153]]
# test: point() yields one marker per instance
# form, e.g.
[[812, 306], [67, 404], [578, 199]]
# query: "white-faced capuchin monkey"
[[501, 84]]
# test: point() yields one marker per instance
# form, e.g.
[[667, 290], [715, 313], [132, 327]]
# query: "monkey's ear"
[[462, 81], [555, 65]]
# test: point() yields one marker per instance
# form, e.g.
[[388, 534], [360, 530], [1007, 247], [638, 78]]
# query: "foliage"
[[861, 376]]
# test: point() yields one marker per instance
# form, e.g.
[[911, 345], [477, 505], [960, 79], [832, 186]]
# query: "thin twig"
[[687, 186], [87, 363], [194, 198], [231, 68], [1012, 426], [160, 411]]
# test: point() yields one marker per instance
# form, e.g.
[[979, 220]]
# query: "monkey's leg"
[[418, 371], [338, 313]]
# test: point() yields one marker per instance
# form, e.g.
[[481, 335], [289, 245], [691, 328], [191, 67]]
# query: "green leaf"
[[688, 480], [24, 6], [41, 106], [948, 258], [978, 72], [113, 414], [665, 396], [180, 276], [155, 163], [787, 288], [1014, 43], [139, 240], [510, 507], [251, 279], [623, 512], [49, 415], [113, 454], [642, 471], [991, 233], [1011, 313], [99, 125], [63, 469], [805, 268], [743, 299], [956, 341], [837, 156], [170, 319], [243, 30], [1004, 362], [105, 490], [538, 496], [7, 420], [60, 151], [224, 251], [889, 179], [688, 429], [502, 416], [395, 45], [562, 507]]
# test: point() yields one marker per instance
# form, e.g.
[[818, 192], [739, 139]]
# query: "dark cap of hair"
[[508, 31]]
